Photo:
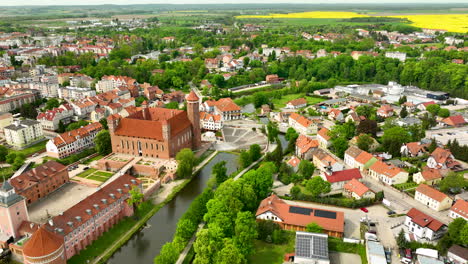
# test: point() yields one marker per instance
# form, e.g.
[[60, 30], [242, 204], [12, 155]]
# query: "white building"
[[23, 133], [388, 174], [424, 226], [396, 55], [375, 252], [75, 93], [50, 119], [72, 142], [457, 254], [302, 124], [459, 210], [210, 121], [432, 198]]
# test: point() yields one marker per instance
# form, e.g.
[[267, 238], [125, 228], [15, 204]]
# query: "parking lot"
[[446, 134]]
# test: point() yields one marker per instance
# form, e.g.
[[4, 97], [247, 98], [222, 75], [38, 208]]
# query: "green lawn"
[[406, 185], [97, 178], [32, 149], [86, 173], [104, 173], [270, 253], [336, 244], [7, 172], [96, 175], [280, 103]]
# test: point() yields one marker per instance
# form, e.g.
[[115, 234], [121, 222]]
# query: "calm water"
[[147, 243]]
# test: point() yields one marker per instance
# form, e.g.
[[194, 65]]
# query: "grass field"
[[270, 253], [95, 175], [280, 103], [336, 244], [406, 185], [32, 149]]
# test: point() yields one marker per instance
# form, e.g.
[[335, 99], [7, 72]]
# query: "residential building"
[[354, 117], [210, 121], [422, 106], [335, 114], [297, 103], [364, 161], [396, 55], [350, 156], [37, 183], [44, 247], [325, 162], [50, 119], [311, 248], [442, 159], [157, 132], [73, 141], [73, 230], [357, 190], [23, 133], [385, 111], [13, 212], [5, 120], [294, 163], [413, 149], [432, 198], [410, 107], [83, 108], [388, 174], [265, 110], [296, 218], [428, 176], [302, 124], [424, 226], [338, 179], [323, 138], [457, 254], [459, 210], [75, 93], [112, 82], [11, 103], [454, 121], [305, 146], [272, 78], [375, 252], [225, 107]]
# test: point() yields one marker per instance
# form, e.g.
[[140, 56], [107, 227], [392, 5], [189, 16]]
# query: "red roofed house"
[[43, 247], [325, 162], [210, 121], [305, 147], [37, 183], [323, 137], [454, 121], [424, 226], [302, 124], [357, 190], [157, 132], [73, 141], [432, 198], [422, 106], [335, 114], [272, 78], [388, 174], [442, 159], [428, 176], [50, 119], [296, 103], [294, 163], [338, 179], [459, 210], [385, 111], [296, 218], [413, 149], [225, 107]]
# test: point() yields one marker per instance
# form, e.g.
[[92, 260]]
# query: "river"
[[146, 244]]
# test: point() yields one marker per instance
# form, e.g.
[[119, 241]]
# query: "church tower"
[[193, 113]]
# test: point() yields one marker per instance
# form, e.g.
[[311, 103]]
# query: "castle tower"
[[193, 113], [13, 207], [44, 247]]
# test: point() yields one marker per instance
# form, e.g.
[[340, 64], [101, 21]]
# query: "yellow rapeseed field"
[[450, 22], [316, 14]]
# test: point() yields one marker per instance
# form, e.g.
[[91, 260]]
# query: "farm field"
[[280, 103], [318, 14], [450, 22]]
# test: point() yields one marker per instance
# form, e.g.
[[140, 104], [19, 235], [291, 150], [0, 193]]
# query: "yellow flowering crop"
[[450, 22], [317, 14]]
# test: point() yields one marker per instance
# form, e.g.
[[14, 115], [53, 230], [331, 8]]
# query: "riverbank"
[[123, 231]]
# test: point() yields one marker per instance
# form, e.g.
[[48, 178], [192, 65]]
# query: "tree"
[[444, 112], [317, 186], [433, 109], [364, 142], [314, 228], [103, 122], [219, 170], [272, 132], [230, 254], [291, 133], [453, 182], [19, 161], [3, 153], [255, 152], [28, 111], [393, 138], [61, 127], [339, 146], [244, 159], [346, 130], [169, 253], [367, 111], [76, 125], [103, 142], [306, 168], [186, 228], [172, 105], [245, 232], [186, 161], [455, 228], [402, 100], [52, 103], [367, 126], [10, 157], [136, 197], [261, 180], [401, 240], [206, 246], [432, 146], [403, 112]]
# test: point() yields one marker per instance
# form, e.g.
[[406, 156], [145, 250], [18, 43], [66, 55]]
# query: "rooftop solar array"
[[312, 246], [325, 214], [300, 210]]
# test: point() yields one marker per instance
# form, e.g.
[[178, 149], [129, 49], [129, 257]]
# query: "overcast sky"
[[128, 2]]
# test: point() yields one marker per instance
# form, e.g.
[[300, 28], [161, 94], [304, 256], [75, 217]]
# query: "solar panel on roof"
[[300, 210], [325, 214]]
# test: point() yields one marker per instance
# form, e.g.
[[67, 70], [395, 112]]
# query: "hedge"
[[342, 202]]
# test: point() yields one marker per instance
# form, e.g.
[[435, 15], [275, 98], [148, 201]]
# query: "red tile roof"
[[280, 208], [42, 243], [461, 207], [441, 155], [356, 187], [415, 147], [429, 174], [303, 121], [431, 192], [227, 105], [457, 120], [71, 136], [207, 116], [298, 101], [305, 143], [385, 169], [294, 161], [36, 175], [364, 157], [344, 175], [324, 133], [424, 220], [192, 96]]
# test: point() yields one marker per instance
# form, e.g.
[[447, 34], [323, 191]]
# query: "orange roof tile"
[[294, 161], [431, 192], [324, 133], [424, 220], [42, 243], [385, 169], [461, 207], [305, 143], [192, 96], [356, 187], [430, 174]]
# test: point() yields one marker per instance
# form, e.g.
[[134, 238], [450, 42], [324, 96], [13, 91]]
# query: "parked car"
[[86, 168], [408, 253], [364, 210], [391, 212]]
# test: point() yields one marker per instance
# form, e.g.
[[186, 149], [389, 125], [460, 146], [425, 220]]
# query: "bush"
[[279, 236], [297, 194], [76, 157], [266, 228]]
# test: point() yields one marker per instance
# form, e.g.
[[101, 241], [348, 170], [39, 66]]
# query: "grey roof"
[[334, 101], [22, 124], [428, 260], [311, 245], [10, 199], [6, 186], [410, 120], [375, 248]]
